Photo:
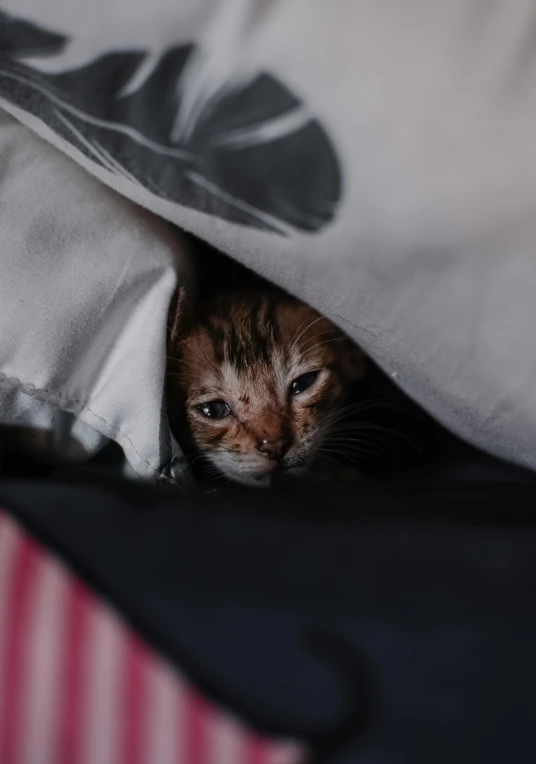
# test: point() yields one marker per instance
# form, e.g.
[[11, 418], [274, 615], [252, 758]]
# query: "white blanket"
[[376, 159], [86, 282]]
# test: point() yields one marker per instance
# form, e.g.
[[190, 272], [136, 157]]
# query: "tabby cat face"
[[261, 374]]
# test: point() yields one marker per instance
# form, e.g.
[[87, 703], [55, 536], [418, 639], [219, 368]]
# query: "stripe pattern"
[[77, 686]]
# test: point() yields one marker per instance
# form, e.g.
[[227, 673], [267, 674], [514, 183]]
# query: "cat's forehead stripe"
[[247, 341]]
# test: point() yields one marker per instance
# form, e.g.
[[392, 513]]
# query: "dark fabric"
[[378, 623]]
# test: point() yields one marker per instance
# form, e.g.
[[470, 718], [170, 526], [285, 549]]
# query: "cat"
[[262, 379]]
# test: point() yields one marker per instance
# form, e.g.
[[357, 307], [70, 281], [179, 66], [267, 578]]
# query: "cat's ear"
[[181, 316], [180, 319]]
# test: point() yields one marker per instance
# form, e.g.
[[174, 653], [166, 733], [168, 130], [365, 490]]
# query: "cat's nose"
[[275, 450]]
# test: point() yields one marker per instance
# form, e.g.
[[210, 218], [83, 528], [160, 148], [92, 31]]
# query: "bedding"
[[365, 624], [87, 278], [388, 181], [378, 161]]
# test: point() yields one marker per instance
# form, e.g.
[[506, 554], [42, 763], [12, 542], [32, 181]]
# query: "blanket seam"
[[50, 397]]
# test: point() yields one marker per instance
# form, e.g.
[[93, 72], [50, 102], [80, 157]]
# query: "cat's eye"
[[303, 383], [214, 409]]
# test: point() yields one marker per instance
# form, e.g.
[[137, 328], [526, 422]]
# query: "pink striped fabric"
[[77, 686]]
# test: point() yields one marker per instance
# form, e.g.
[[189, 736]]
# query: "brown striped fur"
[[246, 349]]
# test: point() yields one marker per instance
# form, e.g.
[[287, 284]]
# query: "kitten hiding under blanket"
[[267, 386]]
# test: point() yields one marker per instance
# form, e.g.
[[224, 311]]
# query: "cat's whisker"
[[366, 427], [365, 447], [347, 424], [375, 458], [349, 457], [301, 352], [312, 323], [386, 434], [323, 458], [345, 412], [364, 403], [295, 337], [328, 331], [291, 343], [326, 459], [318, 344], [345, 442], [329, 417], [361, 406], [354, 443]]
